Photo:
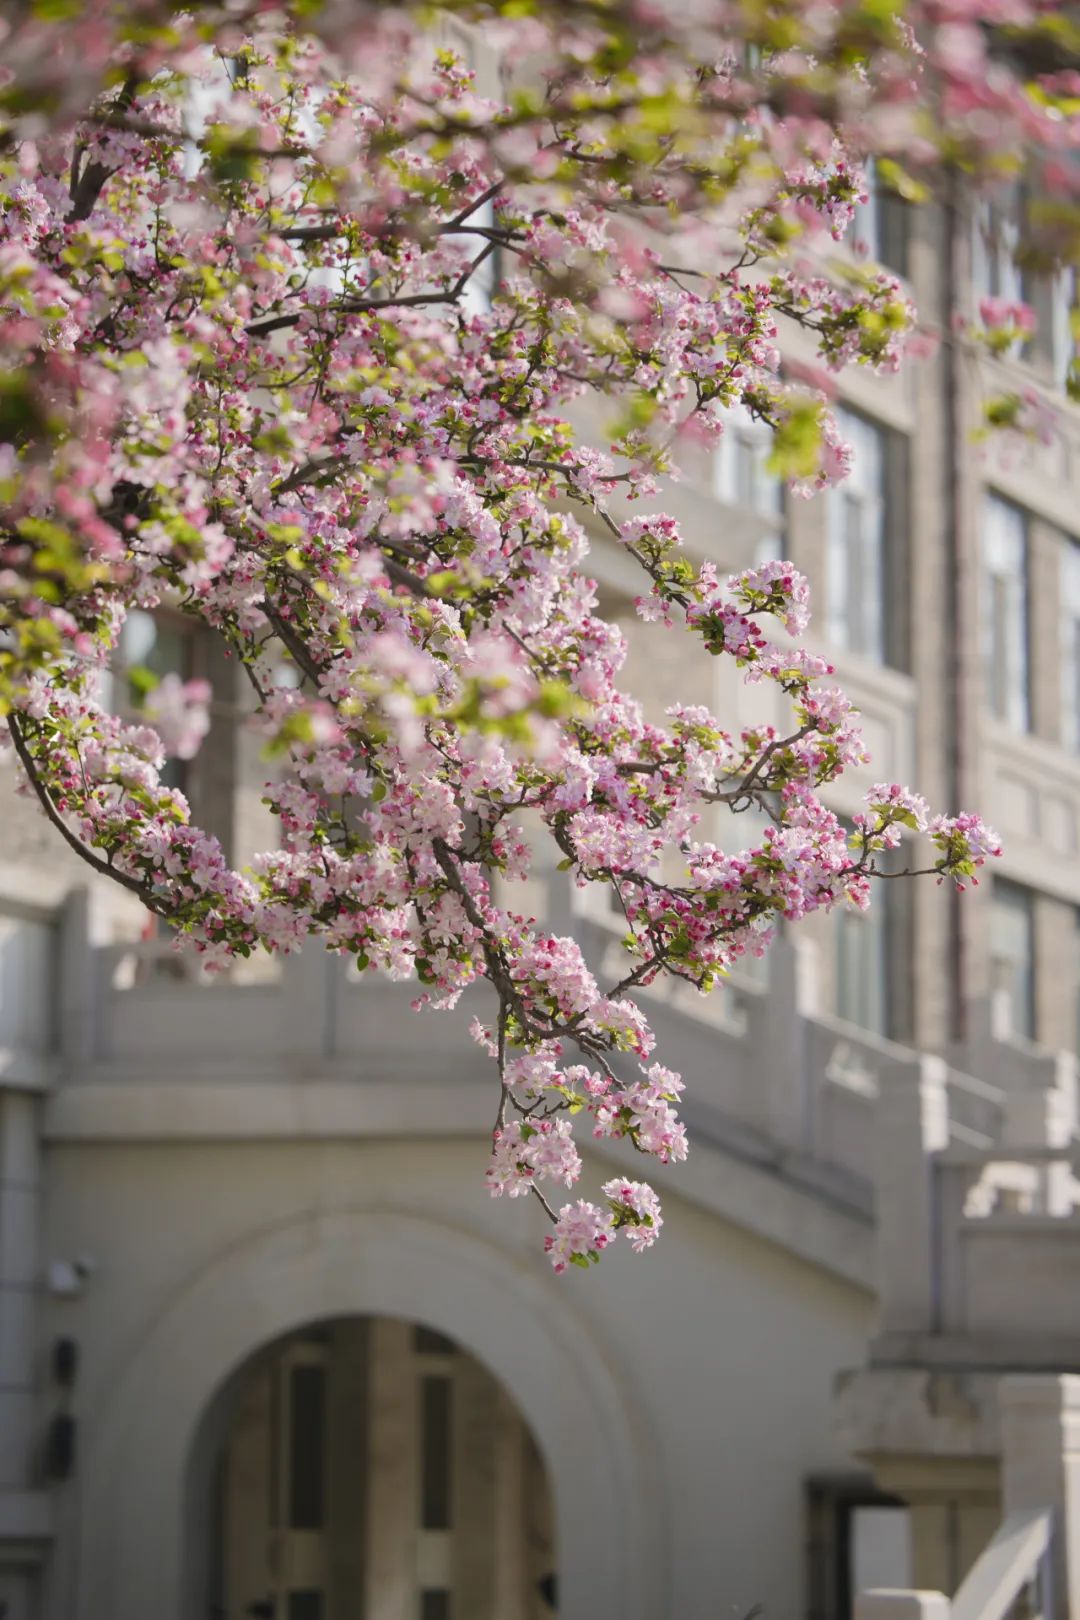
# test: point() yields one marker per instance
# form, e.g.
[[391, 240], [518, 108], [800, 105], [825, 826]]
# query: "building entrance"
[[374, 1470]]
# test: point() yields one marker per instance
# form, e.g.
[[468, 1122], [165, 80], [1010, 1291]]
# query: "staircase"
[[969, 1407]]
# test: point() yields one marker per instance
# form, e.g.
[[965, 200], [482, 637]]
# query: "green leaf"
[[141, 681], [797, 440]]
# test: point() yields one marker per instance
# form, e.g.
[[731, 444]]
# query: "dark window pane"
[[893, 231], [427, 1342], [305, 1605], [435, 1454], [307, 1412], [435, 1605]]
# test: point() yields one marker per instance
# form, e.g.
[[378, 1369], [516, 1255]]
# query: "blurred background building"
[[268, 1349]]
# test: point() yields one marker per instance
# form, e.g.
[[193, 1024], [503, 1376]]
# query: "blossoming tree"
[[294, 317]]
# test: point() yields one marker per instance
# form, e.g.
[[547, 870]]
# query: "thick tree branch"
[[89, 180]]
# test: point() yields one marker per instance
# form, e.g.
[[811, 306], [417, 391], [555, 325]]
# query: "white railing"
[[764, 1062], [1015, 1564], [1011, 1578]]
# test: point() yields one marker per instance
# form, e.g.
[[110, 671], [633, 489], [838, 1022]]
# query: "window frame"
[[997, 228], [1069, 631], [177, 773], [884, 638], [1026, 1028], [1064, 299], [1007, 695], [830, 1504], [888, 923], [739, 480], [878, 233]]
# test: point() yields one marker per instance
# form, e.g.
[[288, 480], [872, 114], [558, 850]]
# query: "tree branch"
[[358, 306], [293, 642], [88, 182], [26, 760]]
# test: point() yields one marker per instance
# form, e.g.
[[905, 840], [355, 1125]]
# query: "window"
[[744, 830], [857, 558], [995, 246], [1070, 645], [1012, 957], [151, 645], [1064, 299], [862, 965], [307, 1446], [157, 643], [476, 299], [435, 1459], [858, 1539], [1005, 612], [741, 477], [879, 229], [871, 948], [481, 285]]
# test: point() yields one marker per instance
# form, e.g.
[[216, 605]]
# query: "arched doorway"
[[153, 1440], [373, 1469]]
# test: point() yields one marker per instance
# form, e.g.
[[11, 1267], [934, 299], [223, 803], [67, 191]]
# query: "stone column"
[[392, 1472], [508, 1529], [19, 1277], [82, 929], [912, 1125], [785, 1104], [1040, 1467], [1043, 1113]]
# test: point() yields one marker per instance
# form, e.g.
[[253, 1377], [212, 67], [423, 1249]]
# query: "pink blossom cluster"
[[636, 1210], [178, 710], [644, 1112], [1009, 314], [525, 1152], [581, 1232]]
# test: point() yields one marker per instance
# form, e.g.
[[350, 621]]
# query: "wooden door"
[[375, 1471]]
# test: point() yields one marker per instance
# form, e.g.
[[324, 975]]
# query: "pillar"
[[1040, 1467], [912, 1124]]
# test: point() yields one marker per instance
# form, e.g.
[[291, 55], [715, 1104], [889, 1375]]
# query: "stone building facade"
[[267, 1348]]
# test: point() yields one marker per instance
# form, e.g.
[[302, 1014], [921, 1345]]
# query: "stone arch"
[[145, 1466]]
